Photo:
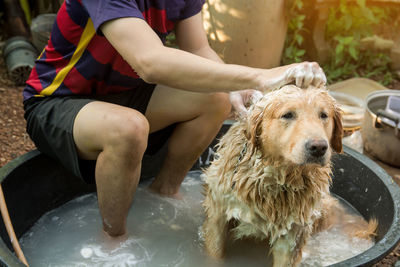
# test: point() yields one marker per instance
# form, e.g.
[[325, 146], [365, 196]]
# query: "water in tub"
[[161, 232]]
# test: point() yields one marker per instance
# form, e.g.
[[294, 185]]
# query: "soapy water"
[[161, 231], [333, 245]]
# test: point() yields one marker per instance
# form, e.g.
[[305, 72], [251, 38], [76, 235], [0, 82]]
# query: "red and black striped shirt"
[[78, 59]]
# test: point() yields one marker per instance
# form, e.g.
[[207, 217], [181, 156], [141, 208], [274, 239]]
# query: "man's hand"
[[301, 74], [240, 99], [306, 74]]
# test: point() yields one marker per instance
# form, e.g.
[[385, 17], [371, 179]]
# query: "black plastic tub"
[[34, 184]]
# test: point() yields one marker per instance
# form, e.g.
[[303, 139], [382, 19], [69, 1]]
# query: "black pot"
[[34, 184]]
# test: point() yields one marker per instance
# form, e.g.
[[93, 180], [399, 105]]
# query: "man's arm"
[[143, 50]]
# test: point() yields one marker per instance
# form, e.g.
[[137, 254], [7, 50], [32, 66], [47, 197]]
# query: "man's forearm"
[[180, 69]]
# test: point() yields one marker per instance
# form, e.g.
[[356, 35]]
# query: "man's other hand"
[[241, 99]]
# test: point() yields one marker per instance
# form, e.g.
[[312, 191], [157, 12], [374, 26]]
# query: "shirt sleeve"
[[192, 8], [101, 11]]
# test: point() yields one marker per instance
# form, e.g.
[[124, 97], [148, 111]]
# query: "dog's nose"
[[316, 148]]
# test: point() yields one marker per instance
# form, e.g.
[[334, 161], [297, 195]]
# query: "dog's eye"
[[323, 115], [288, 115]]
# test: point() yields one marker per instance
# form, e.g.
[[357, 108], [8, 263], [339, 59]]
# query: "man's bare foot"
[[112, 228], [165, 191], [111, 242]]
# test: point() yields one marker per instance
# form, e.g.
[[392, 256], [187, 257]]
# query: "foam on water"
[[161, 232]]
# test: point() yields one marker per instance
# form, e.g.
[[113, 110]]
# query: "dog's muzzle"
[[316, 150]]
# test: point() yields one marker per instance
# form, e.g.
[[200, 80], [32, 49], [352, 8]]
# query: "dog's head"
[[300, 126]]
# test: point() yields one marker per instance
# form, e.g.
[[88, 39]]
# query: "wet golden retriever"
[[271, 176]]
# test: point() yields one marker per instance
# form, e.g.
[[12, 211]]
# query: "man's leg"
[[199, 117], [117, 137]]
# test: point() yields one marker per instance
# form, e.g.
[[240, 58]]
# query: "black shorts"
[[50, 122]]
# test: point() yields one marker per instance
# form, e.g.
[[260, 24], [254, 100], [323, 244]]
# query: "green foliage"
[[355, 20], [294, 40], [374, 65], [346, 26]]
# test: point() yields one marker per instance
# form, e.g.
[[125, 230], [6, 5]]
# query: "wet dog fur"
[[271, 175]]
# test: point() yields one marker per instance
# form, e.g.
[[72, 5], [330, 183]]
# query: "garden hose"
[[10, 228]]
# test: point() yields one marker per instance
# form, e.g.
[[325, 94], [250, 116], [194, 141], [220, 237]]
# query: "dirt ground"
[[14, 141]]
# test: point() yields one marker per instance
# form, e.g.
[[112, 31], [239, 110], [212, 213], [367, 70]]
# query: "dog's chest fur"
[[265, 199]]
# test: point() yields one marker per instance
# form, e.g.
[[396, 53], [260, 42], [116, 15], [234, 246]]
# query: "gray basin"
[[34, 184]]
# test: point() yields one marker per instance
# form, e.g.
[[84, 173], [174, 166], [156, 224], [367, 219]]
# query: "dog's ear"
[[337, 134], [253, 127]]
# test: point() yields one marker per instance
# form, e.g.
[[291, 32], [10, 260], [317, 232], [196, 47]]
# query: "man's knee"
[[129, 133], [219, 104]]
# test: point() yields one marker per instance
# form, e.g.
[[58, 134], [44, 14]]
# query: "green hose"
[[25, 7]]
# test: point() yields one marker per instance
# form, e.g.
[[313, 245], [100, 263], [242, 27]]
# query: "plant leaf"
[[299, 39], [353, 52]]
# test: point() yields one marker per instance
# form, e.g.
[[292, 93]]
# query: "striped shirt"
[[79, 60]]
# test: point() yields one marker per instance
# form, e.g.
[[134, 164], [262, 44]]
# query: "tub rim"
[[8, 258]]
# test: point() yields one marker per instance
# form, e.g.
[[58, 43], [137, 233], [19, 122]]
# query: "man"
[[105, 82]]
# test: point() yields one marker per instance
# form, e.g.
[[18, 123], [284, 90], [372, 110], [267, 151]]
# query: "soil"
[[14, 141]]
